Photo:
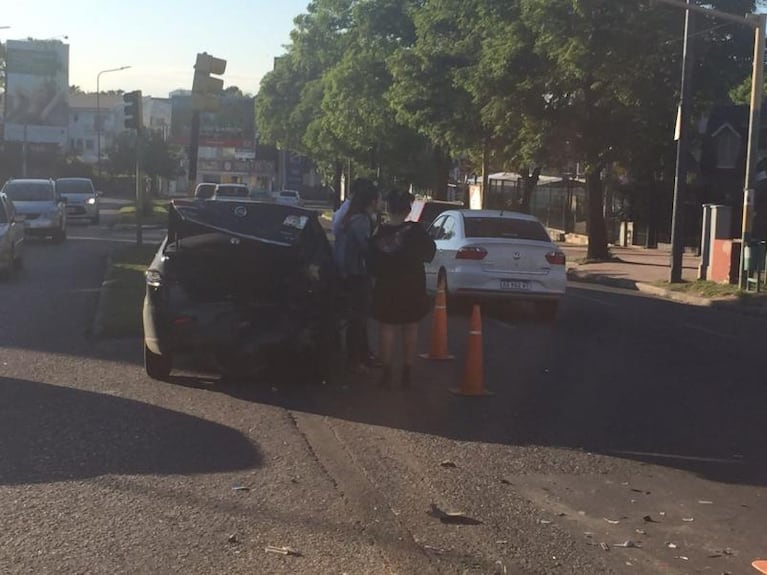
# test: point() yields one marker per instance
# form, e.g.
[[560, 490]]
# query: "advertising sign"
[[37, 84]]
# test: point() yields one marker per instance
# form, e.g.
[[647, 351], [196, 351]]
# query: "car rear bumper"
[[40, 227], [530, 287]]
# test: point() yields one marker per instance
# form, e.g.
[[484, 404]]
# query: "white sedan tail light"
[[556, 258], [471, 253]]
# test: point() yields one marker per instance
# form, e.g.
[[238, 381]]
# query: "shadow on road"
[[62, 434], [623, 378]]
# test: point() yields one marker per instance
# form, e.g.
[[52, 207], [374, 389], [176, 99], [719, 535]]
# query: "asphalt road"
[[628, 407]]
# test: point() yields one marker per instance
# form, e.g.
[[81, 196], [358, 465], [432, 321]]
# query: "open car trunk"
[[245, 279]]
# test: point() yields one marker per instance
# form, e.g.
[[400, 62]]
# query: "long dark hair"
[[364, 193], [399, 202]]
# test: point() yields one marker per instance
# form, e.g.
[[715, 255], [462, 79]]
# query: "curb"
[[724, 304]]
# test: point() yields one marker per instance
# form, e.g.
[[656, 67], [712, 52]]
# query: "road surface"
[[627, 408]]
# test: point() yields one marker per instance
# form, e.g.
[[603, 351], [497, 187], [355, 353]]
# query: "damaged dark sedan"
[[246, 284]]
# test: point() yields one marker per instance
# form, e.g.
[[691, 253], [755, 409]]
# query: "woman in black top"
[[397, 254]]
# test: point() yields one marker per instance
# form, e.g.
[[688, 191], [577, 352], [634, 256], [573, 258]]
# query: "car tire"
[[547, 310], [157, 366], [96, 220]]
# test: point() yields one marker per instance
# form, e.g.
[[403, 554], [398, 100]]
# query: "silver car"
[[11, 237], [41, 206], [81, 198]]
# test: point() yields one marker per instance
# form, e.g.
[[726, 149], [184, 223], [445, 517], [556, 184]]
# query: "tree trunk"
[[441, 174], [528, 189], [485, 171], [595, 219]]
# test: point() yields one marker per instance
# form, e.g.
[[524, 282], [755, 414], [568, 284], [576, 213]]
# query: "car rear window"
[[431, 210], [511, 228], [29, 191], [234, 191], [74, 187]]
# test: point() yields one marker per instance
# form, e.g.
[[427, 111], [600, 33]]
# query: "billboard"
[[36, 88]]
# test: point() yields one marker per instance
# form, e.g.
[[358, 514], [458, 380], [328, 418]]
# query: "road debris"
[[232, 539], [604, 546], [705, 502], [500, 568], [688, 519], [448, 464], [671, 545], [641, 531], [240, 488], [649, 519], [629, 544], [612, 521], [641, 491], [505, 481], [545, 521], [282, 550], [683, 558], [435, 550], [452, 517]]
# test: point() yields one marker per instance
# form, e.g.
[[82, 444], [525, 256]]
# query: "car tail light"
[[471, 253], [556, 258]]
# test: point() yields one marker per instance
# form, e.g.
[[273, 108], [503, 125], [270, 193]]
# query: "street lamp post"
[[98, 113]]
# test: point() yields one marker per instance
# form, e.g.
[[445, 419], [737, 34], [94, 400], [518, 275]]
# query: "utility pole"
[[206, 90], [682, 150], [757, 95], [134, 121], [99, 120]]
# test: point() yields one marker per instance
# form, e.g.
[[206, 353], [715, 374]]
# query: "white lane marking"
[[591, 299], [708, 331], [673, 456], [501, 324]]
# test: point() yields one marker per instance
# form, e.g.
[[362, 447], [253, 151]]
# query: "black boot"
[[406, 383]]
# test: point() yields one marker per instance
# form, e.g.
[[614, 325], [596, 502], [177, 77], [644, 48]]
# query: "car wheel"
[[547, 310], [157, 366], [96, 220]]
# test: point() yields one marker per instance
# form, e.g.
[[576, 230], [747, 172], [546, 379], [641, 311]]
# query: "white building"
[[83, 133], [157, 115]]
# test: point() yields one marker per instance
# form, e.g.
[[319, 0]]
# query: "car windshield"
[[511, 228], [74, 187], [29, 191]]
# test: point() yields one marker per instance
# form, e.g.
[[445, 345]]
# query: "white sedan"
[[484, 254], [290, 198]]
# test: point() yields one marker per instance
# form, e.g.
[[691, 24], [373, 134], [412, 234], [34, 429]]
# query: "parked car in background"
[[11, 237], [244, 283], [484, 254], [231, 191], [43, 209], [426, 211], [261, 196], [205, 191], [81, 197], [290, 198]]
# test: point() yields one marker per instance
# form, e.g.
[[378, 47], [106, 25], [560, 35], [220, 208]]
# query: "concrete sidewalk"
[[632, 266]]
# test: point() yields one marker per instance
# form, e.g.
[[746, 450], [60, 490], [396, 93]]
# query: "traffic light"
[[133, 110], [205, 89]]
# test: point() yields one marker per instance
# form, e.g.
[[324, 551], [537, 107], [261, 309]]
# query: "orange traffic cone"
[[438, 347], [474, 370], [760, 566]]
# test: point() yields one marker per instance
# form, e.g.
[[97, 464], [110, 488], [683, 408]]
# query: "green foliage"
[[158, 157]]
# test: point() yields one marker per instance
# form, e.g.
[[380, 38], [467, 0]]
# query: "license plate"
[[515, 285]]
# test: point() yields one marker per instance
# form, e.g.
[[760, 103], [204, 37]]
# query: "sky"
[[159, 39]]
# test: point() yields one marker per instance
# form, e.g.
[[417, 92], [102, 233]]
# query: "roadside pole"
[[139, 192], [757, 94], [194, 149], [683, 149]]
